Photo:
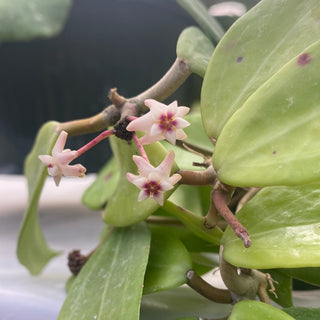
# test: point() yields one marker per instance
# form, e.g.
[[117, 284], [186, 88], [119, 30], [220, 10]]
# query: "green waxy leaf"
[[200, 14], [254, 49], [274, 139], [101, 190], [301, 313], [168, 263], [26, 20], [284, 227], [110, 284], [309, 275], [32, 249], [123, 208], [195, 49], [255, 310], [194, 223]]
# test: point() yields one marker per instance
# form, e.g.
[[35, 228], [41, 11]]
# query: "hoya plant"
[[231, 183]]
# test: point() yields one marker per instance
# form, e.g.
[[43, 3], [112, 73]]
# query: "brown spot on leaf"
[[304, 59], [108, 176], [239, 59], [274, 152]]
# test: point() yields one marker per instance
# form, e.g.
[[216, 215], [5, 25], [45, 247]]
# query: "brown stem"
[[167, 85], [198, 178], [207, 290], [123, 107], [219, 200], [108, 117], [212, 217]]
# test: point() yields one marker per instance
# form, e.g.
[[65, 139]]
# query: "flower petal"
[[159, 198], [180, 134], [156, 130], [138, 181], [57, 179], [143, 195], [65, 157], [76, 170], [181, 123], [142, 123], [60, 143], [144, 167], [182, 111], [173, 107], [47, 160], [174, 178], [171, 136], [165, 166]]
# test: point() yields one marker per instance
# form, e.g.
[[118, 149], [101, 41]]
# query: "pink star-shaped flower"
[[152, 181], [58, 163], [161, 122]]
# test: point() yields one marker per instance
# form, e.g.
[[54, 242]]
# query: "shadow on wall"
[[105, 43]]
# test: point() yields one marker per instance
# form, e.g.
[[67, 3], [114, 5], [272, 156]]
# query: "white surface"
[[68, 225], [63, 218]]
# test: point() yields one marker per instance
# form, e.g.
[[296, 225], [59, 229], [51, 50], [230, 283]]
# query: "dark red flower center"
[[152, 188], [167, 121]]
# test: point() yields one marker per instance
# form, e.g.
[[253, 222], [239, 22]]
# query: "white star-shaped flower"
[[58, 163], [152, 181], [161, 122]]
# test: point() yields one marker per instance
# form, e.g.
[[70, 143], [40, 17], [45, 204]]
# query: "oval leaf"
[[196, 49], [123, 209], [195, 223], [274, 139], [252, 50], [301, 313], [309, 275], [168, 263], [26, 20], [101, 190], [109, 285], [284, 227], [32, 249], [255, 310]]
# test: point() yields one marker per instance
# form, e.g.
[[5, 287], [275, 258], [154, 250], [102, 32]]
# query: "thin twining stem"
[[105, 134], [219, 200], [207, 290], [247, 197]]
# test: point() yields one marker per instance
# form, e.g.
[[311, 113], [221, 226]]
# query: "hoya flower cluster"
[[161, 122]]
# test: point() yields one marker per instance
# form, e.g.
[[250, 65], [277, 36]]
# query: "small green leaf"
[[254, 49], [101, 190], [168, 262], [274, 139], [32, 249], [195, 49], [194, 223], [26, 20], [301, 313], [255, 310], [110, 284], [309, 275], [200, 14], [284, 227], [123, 208]]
